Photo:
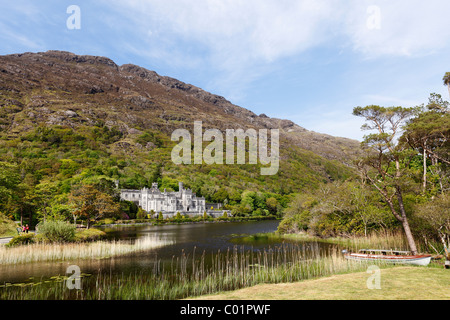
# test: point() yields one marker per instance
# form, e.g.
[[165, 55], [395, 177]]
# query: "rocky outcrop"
[[49, 58], [62, 88]]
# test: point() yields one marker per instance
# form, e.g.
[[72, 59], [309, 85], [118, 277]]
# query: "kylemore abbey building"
[[169, 203]]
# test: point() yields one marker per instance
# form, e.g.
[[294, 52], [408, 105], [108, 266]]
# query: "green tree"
[[44, 193], [364, 206], [141, 214], [272, 205], [9, 182], [260, 201], [92, 204], [297, 215], [384, 164], [248, 200], [129, 208], [429, 133], [22, 202], [220, 196], [61, 209], [446, 80], [436, 215]]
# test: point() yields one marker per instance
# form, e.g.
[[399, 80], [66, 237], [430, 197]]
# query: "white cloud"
[[408, 27], [241, 39], [266, 30], [11, 38], [237, 31]]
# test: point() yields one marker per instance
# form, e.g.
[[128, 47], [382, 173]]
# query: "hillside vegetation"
[[67, 121]]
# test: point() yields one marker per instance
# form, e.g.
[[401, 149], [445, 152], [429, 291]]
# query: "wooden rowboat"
[[389, 256]]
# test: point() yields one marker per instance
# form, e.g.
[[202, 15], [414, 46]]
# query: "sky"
[[309, 61]]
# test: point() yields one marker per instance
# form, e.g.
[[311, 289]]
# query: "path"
[[4, 240]]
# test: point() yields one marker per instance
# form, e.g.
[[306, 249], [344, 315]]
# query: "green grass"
[[8, 228], [399, 283]]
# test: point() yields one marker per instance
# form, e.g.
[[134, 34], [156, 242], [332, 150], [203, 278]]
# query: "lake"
[[188, 239]]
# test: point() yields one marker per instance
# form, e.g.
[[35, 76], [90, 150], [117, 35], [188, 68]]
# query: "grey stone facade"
[[169, 203]]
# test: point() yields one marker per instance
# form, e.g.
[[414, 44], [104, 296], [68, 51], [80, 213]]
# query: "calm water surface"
[[188, 239]]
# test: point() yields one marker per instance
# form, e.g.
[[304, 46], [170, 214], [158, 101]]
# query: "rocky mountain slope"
[[65, 90]]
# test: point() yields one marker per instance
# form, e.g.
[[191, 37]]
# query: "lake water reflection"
[[188, 239]]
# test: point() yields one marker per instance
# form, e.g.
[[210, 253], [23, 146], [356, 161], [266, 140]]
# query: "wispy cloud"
[[241, 39], [252, 31], [407, 27], [11, 39], [235, 31]]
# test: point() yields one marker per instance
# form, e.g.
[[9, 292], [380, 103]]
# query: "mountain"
[[65, 117]]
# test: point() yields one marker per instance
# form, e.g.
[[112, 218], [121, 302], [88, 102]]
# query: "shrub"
[[21, 240], [291, 225], [89, 235], [140, 220], [141, 214], [56, 231]]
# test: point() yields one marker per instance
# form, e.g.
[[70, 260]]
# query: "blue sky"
[[310, 61]]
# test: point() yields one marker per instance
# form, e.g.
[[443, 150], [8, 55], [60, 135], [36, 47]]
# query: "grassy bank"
[[8, 228], [400, 283], [73, 251]]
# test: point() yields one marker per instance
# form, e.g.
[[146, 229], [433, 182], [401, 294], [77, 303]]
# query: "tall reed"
[[74, 251], [394, 240], [198, 274]]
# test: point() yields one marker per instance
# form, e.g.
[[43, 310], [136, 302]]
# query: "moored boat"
[[389, 256]]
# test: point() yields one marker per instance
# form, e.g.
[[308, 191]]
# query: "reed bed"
[[75, 251], [194, 274], [394, 240], [385, 240]]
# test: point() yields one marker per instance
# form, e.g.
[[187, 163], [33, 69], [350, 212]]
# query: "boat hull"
[[412, 260]]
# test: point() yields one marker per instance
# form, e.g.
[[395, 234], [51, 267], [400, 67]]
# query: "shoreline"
[[171, 222]]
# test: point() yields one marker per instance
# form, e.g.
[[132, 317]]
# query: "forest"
[[402, 183]]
